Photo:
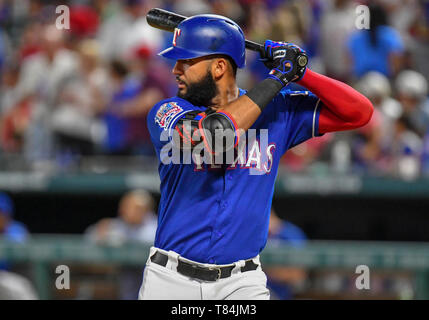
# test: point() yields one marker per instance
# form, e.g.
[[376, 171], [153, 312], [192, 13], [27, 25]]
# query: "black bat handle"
[[163, 19], [255, 47]]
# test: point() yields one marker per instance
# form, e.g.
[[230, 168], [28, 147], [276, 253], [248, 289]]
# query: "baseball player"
[[213, 218]]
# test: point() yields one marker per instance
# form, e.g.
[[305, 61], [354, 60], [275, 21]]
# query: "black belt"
[[199, 272]]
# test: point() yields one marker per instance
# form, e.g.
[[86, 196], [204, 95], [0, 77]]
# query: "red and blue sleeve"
[[343, 108]]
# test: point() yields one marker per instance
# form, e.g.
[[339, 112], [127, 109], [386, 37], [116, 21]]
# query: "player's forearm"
[[247, 108], [285, 67], [344, 107], [243, 111]]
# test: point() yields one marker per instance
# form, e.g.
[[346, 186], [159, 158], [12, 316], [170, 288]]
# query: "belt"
[[200, 272]]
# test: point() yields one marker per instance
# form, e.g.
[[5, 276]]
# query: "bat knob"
[[302, 60]]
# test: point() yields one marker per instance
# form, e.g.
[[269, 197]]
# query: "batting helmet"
[[207, 34]]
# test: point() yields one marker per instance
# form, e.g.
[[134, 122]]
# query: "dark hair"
[[378, 17], [233, 65]]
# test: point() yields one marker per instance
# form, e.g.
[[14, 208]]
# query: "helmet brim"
[[176, 53]]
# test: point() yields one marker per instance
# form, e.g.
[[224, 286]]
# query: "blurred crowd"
[[86, 90], [136, 222]]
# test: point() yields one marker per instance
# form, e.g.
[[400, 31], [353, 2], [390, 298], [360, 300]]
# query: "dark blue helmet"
[[207, 34]]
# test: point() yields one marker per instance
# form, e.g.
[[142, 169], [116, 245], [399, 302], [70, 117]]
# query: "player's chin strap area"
[[199, 272]]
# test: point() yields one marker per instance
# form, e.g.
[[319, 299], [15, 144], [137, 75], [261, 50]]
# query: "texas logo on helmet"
[[177, 32]]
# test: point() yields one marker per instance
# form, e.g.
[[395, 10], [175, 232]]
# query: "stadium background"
[[73, 141]]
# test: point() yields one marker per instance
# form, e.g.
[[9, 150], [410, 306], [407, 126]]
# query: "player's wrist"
[[262, 93], [307, 78], [277, 75], [301, 74]]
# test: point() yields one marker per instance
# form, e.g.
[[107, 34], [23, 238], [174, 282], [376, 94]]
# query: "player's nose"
[[178, 68]]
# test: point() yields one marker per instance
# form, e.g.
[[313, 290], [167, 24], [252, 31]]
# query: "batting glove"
[[287, 61]]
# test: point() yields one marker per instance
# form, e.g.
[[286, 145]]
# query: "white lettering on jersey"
[[254, 156], [270, 153]]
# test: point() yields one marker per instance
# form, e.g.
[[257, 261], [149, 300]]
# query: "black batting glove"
[[287, 61]]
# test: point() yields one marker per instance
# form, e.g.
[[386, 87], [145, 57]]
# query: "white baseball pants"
[[165, 283]]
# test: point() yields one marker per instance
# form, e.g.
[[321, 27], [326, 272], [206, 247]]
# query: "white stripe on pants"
[[165, 283]]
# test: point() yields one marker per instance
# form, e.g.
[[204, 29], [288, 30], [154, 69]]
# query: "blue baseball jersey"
[[219, 214]]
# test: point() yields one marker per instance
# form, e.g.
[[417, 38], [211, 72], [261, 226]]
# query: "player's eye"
[[189, 62]]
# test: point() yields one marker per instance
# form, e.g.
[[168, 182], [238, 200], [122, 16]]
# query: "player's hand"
[[287, 61]]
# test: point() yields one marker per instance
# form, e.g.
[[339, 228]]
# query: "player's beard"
[[200, 93]]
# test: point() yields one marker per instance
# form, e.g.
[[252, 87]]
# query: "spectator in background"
[[44, 73], [136, 223], [137, 85], [10, 229], [419, 42], [425, 155], [257, 25], [29, 43], [258, 28], [58, 100], [283, 280], [119, 136], [290, 21], [42, 77], [14, 111], [378, 49], [371, 145], [191, 7], [232, 9], [301, 157], [75, 120], [407, 150], [376, 87], [84, 21], [280, 230], [402, 15], [336, 25], [408, 146], [105, 9], [152, 75], [127, 30], [412, 90], [5, 49], [16, 287]]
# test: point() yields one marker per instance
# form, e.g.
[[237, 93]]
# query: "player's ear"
[[219, 67]]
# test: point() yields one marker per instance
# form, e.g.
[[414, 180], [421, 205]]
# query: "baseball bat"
[[166, 20]]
